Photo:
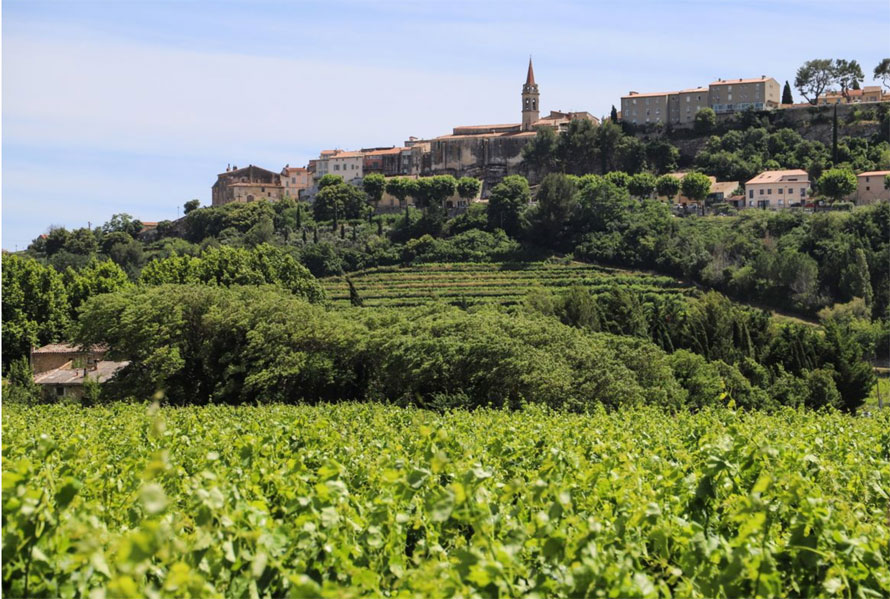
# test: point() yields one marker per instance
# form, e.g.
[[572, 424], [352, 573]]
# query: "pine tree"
[[786, 95]]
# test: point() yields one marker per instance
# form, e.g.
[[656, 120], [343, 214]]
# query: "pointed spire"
[[530, 78]]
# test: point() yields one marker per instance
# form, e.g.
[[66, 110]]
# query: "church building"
[[491, 152]]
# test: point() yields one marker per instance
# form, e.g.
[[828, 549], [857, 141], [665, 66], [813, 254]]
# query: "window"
[[803, 192], [60, 391], [336, 167], [781, 189], [761, 192], [769, 191], [781, 202], [293, 179], [790, 190], [750, 193], [751, 202], [729, 97]]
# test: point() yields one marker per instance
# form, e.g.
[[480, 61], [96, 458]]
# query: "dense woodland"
[[224, 306]]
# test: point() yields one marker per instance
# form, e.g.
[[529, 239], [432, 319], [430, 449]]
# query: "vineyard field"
[[475, 283], [372, 500]]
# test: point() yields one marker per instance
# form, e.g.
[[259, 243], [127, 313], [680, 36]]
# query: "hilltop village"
[[491, 152]]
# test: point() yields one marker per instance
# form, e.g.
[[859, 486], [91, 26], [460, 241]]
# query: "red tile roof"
[[732, 81]]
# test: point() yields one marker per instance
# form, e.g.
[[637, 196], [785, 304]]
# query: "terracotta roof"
[[483, 135], [871, 88], [65, 375], [386, 152], [873, 173], [727, 187], [487, 127], [347, 155], [64, 348], [732, 81], [295, 169], [693, 90], [777, 176], [647, 95]]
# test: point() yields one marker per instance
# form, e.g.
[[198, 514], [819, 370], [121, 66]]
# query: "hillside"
[[501, 283]]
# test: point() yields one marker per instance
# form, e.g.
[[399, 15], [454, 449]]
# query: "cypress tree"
[[834, 137], [786, 95], [614, 114]]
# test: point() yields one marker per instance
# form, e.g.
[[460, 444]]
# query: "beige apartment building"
[[689, 102], [294, 180], [870, 188], [732, 95], [777, 190], [640, 109]]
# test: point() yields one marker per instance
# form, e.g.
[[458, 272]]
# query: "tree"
[[607, 136], [886, 181], [340, 200], [641, 185], [837, 183], [557, 203], [617, 178], [374, 186], [813, 77], [696, 187], [468, 188], [786, 94], [613, 115], [328, 180], [630, 155], [95, 278], [576, 147], [540, 154], [847, 74], [854, 376], [507, 200], [662, 156], [667, 186], [882, 72], [191, 205], [432, 192], [705, 121], [123, 223], [35, 306], [400, 188]]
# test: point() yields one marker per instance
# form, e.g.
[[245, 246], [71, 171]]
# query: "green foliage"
[[505, 204], [705, 121], [837, 183], [340, 201], [667, 186], [468, 187], [191, 205], [95, 278], [19, 386], [642, 185], [400, 188], [374, 186], [695, 186], [814, 77], [122, 223], [35, 306], [353, 500], [787, 98], [329, 180], [226, 266]]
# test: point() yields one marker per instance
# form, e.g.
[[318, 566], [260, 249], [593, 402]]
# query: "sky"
[[131, 106]]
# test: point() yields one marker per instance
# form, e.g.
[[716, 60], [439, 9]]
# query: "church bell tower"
[[530, 108]]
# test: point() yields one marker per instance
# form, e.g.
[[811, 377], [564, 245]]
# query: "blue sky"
[[134, 106]]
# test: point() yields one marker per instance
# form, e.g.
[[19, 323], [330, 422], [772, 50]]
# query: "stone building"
[[491, 152], [61, 369], [246, 185], [296, 180]]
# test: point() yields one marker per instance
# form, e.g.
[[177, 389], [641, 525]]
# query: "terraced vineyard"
[[472, 283]]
